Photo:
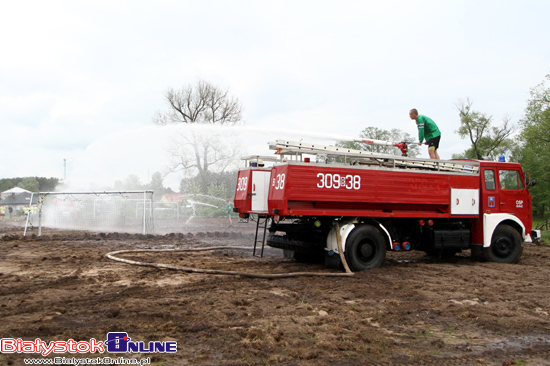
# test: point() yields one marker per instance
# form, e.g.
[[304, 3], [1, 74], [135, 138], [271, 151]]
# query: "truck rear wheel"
[[505, 245], [365, 248]]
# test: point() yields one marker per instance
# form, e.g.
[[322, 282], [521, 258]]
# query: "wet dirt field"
[[414, 310]]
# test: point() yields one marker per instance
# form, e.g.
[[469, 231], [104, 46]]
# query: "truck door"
[[260, 190], [490, 198], [512, 198]]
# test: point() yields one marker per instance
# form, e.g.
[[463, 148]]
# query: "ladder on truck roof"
[[362, 157], [258, 160]]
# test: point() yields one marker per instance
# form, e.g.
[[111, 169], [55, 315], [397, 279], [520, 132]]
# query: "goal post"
[[110, 211]]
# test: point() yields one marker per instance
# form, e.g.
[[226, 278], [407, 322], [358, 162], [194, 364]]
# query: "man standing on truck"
[[427, 129]]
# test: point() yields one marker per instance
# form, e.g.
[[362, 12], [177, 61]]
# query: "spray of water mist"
[[145, 150], [277, 133]]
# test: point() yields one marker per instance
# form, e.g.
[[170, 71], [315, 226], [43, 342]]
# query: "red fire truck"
[[382, 202]]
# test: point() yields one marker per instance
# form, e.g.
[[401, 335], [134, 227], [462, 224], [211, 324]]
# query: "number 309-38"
[[337, 181]]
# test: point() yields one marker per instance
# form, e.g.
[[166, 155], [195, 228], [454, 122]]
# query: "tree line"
[[32, 184], [534, 152]]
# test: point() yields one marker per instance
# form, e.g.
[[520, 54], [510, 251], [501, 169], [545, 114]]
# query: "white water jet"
[[145, 150]]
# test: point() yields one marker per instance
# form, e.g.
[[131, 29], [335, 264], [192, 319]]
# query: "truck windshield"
[[510, 179]]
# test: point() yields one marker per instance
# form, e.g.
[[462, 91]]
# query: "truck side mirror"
[[530, 183]]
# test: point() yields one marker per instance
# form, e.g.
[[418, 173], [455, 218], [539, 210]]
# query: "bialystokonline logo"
[[117, 342]]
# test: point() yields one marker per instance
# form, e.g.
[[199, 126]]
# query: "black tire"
[[365, 248], [505, 245]]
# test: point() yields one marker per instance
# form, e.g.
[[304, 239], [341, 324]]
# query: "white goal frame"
[[148, 222]]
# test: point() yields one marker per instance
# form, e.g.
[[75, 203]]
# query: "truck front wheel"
[[505, 245], [365, 248]]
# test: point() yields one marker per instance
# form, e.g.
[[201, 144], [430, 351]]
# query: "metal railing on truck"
[[361, 157]]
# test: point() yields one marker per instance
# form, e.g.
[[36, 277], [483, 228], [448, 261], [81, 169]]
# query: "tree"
[[47, 184], [536, 122], [200, 103], [30, 184], [536, 161], [204, 151], [376, 133], [221, 185], [44, 184], [535, 153], [487, 141], [157, 185], [199, 151], [130, 183]]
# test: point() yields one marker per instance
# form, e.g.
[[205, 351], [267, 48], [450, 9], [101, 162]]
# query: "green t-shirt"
[[426, 128]]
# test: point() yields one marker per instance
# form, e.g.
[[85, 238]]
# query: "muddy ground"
[[414, 310]]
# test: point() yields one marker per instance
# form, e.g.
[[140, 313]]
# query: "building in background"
[[15, 202]]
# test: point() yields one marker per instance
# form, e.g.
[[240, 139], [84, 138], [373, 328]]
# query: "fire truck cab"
[[381, 202]]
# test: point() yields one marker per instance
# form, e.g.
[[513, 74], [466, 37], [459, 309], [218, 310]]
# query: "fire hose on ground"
[[113, 256]]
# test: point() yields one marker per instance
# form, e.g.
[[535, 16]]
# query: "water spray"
[[403, 145]]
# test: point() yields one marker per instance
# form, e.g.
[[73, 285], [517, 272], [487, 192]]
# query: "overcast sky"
[[81, 80]]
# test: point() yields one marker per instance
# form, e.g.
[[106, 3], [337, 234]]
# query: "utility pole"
[[64, 170]]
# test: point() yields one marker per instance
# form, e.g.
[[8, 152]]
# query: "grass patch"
[[544, 234], [545, 237]]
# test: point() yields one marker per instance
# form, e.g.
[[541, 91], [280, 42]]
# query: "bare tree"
[[200, 103], [202, 150]]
